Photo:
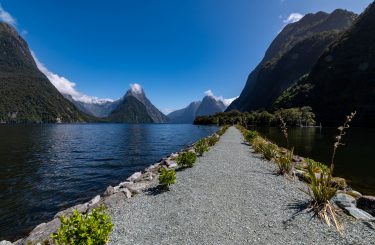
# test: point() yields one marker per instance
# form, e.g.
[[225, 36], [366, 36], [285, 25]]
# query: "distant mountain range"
[[26, 94], [208, 106]]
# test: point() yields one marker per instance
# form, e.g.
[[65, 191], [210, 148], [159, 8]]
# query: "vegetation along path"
[[231, 196]]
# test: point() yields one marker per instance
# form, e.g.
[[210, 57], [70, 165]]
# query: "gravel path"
[[230, 197]]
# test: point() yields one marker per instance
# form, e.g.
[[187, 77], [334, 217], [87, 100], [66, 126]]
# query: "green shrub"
[[317, 167], [201, 147], [222, 130], [186, 159], [258, 144], [285, 163], [212, 140], [250, 135], [167, 177], [269, 150], [84, 229]]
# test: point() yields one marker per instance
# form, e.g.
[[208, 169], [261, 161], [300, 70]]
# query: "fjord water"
[[47, 168], [354, 161]]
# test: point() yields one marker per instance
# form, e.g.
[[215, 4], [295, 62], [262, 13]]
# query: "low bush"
[[84, 229], [258, 144], [186, 159], [167, 177], [269, 150], [250, 135], [316, 167], [285, 163], [201, 146], [212, 140], [222, 130]]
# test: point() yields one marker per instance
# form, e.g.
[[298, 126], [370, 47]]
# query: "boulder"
[[147, 176], [81, 208], [134, 176], [127, 193], [138, 187], [109, 191], [340, 183], [126, 184], [344, 200], [5, 243], [174, 155], [359, 214], [173, 165], [42, 233], [354, 194], [367, 203], [94, 202]]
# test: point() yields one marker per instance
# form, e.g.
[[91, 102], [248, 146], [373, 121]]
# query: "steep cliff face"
[[291, 55], [26, 95], [343, 79]]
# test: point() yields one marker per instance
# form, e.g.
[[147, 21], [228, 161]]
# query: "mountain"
[[99, 108], [185, 115], [134, 107], [208, 106], [26, 94], [291, 55], [343, 78]]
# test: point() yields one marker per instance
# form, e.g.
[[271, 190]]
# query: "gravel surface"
[[231, 196]]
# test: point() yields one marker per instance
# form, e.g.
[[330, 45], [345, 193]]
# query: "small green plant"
[[250, 135], [258, 144], [285, 163], [84, 229], [212, 140], [321, 188], [317, 167], [222, 130], [269, 150], [167, 178], [201, 147], [187, 159]]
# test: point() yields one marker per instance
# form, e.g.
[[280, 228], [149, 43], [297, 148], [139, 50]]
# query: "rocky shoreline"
[[134, 184]]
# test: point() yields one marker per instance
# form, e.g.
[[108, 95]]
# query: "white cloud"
[[136, 88], [7, 17], [65, 86], [225, 101], [292, 18]]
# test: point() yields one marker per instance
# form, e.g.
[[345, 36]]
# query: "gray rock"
[[173, 165], [359, 214], [81, 208], [109, 191], [93, 202], [5, 243], [344, 200], [42, 232], [126, 184], [367, 203], [138, 187], [127, 193], [134, 176], [147, 176], [354, 194]]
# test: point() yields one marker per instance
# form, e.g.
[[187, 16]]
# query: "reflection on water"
[[46, 168], [354, 161]]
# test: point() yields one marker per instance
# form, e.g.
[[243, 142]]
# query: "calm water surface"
[[47, 168], [355, 161]]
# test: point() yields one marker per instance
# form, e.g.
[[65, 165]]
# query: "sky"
[[178, 51]]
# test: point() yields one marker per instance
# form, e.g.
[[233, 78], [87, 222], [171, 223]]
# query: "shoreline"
[[131, 186]]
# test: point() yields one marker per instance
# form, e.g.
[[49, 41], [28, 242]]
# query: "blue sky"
[[174, 49]]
